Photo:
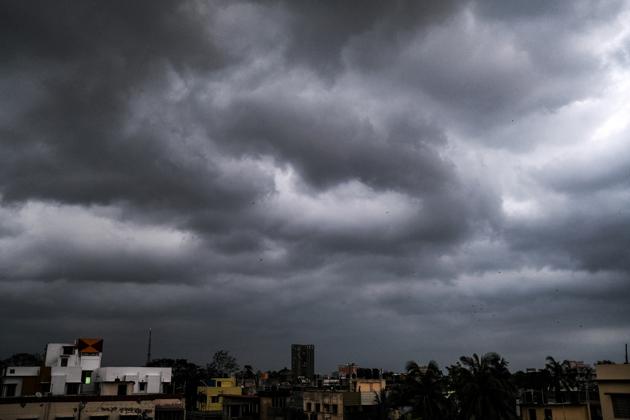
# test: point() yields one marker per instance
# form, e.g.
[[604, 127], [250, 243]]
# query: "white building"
[[72, 385], [75, 369]]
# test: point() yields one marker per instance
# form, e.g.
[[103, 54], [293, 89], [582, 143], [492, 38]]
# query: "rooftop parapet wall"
[[616, 372]]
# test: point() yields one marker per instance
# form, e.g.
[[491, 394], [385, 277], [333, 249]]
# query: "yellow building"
[[556, 412], [212, 395], [614, 390]]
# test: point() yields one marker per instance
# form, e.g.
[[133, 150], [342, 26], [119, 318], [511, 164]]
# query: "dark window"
[[45, 387], [621, 405], [532, 414], [64, 361], [68, 350], [122, 389], [334, 408], [9, 390], [72, 389], [142, 386], [318, 407], [168, 414], [219, 384], [308, 406], [214, 399], [548, 415], [11, 370]]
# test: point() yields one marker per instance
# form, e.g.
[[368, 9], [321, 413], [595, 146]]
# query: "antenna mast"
[[149, 349]]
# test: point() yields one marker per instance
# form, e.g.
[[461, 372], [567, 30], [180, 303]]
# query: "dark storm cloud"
[[321, 30], [88, 62], [343, 173]]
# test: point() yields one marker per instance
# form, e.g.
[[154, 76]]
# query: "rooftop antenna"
[[149, 349], [626, 353]]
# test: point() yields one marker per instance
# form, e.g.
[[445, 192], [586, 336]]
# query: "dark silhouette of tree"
[[424, 390], [186, 376], [483, 388], [223, 364], [22, 359], [533, 384], [384, 404], [561, 377]]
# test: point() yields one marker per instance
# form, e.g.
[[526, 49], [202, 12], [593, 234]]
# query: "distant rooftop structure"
[[303, 361]]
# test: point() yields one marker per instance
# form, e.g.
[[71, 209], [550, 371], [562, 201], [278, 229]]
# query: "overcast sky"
[[388, 180]]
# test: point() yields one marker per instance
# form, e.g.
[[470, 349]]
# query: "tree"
[[223, 364], [424, 390], [483, 388], [186, 376], [561, 377], [22, 359], [383, 402]]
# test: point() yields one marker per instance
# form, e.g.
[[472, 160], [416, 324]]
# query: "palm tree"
[[483, 388], [384, 404], [561, 377], [425, 391]]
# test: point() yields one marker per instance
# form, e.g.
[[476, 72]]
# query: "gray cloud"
[[444, 177]]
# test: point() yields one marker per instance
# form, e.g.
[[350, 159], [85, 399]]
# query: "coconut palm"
[[384, 404], [425, 391], [561, 376], [483, 388]]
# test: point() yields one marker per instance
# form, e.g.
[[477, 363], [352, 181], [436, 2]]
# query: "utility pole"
[[149, 349]]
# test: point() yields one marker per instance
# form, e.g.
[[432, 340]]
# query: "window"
[[532, 413], [9, 390], [122, 389], [72, 389], [326, 408], [548, 414], [86, 377], [214, 399], [68, 350], [318, 407], [45, 387], [142, 386], [308, 406], [64, 361], [11, 370], [621, 405], [219, 384], [334, 408]]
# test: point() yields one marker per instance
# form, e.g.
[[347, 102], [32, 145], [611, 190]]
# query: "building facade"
[[71, 385], [303, 361], [338, 405], [613, 381], [211, 396]]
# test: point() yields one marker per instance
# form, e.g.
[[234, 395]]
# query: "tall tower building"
[[303, 361]]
